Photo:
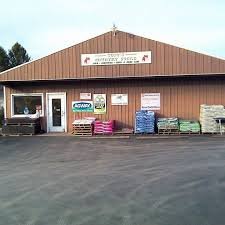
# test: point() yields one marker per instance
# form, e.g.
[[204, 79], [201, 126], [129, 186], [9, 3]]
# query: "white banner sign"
[[119, 99], [150, 101], [115, 58], [85, 96]]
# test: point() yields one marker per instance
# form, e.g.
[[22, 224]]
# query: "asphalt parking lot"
[[64, 181]]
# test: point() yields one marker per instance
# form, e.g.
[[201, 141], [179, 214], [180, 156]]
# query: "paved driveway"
[[63, 181]]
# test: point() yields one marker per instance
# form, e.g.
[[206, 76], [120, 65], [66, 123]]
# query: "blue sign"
[[82, 106]]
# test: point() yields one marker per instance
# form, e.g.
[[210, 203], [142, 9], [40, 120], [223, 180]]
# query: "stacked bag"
[[189, 126], [108, 127], [168, 123], [104, 127], [208, 113], [98, 127], [145, 122]]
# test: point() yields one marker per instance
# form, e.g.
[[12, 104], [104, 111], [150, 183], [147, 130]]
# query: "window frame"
[[27, 95]]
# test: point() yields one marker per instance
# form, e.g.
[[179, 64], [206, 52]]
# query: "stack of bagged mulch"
[[104, 127], [208, 113], [108, 127], [189, 126], [145, 122], [168, 123]]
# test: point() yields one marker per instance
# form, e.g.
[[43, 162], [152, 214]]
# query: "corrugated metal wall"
[[166, 60], [179, 97]]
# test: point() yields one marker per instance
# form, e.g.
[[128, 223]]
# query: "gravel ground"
[[64, 181]]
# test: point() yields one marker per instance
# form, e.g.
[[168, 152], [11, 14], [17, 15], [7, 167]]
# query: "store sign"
[[150, 101], [119, 99], [85, 96], [82, 106], [116, 58], [99, 103]]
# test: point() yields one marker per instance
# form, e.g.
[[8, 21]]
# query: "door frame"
[[47, 108]]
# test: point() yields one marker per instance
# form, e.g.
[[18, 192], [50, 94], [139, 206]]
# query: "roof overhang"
[[66, 80]]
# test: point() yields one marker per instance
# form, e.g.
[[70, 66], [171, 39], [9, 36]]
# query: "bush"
[[1, 115]]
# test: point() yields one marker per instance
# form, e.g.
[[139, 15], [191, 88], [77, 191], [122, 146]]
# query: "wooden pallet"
[[16, 135], [82, 129], [168, 131], [189, 133], [21, 124], [82, 134], [141, 134], [82, 125], [212, 133], [105, 134]]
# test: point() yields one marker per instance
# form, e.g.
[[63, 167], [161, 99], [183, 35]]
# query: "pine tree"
[[17, 55], [4, 60]]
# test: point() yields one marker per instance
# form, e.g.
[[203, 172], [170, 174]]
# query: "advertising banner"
[[119, 99], [82, 106], [99, 103], [150, 101], [116, 58]]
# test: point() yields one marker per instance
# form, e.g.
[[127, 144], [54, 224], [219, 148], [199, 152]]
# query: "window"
[[27, 104]]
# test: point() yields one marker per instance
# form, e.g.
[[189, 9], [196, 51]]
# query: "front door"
[[56, 112]]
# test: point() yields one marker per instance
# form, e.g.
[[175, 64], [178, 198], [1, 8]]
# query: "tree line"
[[15, 56]]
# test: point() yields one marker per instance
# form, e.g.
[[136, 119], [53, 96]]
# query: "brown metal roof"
[[167, 60]]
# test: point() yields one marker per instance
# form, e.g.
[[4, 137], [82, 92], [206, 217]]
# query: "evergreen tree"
[[4, 60], [17, 55]]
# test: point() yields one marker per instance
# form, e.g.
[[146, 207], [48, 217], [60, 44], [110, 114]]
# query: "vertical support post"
[[4, 98]]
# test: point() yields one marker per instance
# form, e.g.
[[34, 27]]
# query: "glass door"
[[56, 112]]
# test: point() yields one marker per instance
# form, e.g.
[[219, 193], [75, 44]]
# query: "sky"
[[46, 26]]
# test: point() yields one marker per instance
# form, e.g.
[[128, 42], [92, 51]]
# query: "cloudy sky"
[[45, 26]]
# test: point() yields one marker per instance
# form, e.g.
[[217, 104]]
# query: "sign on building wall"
[[82, 106], [119, 99], [116, 58], [85, 96], [150, 101], [99, 103]]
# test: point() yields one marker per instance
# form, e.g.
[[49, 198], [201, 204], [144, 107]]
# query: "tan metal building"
[[110, 64]]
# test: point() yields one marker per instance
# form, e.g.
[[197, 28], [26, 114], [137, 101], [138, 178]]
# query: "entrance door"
[[56, 109]]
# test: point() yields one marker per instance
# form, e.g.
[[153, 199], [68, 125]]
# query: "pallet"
[[168, 128], [140, 134], [189, 133], [104, 134], [83, 134], [16, 135], [82, 125], [21, 124], [168, 131], [82, 129]]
